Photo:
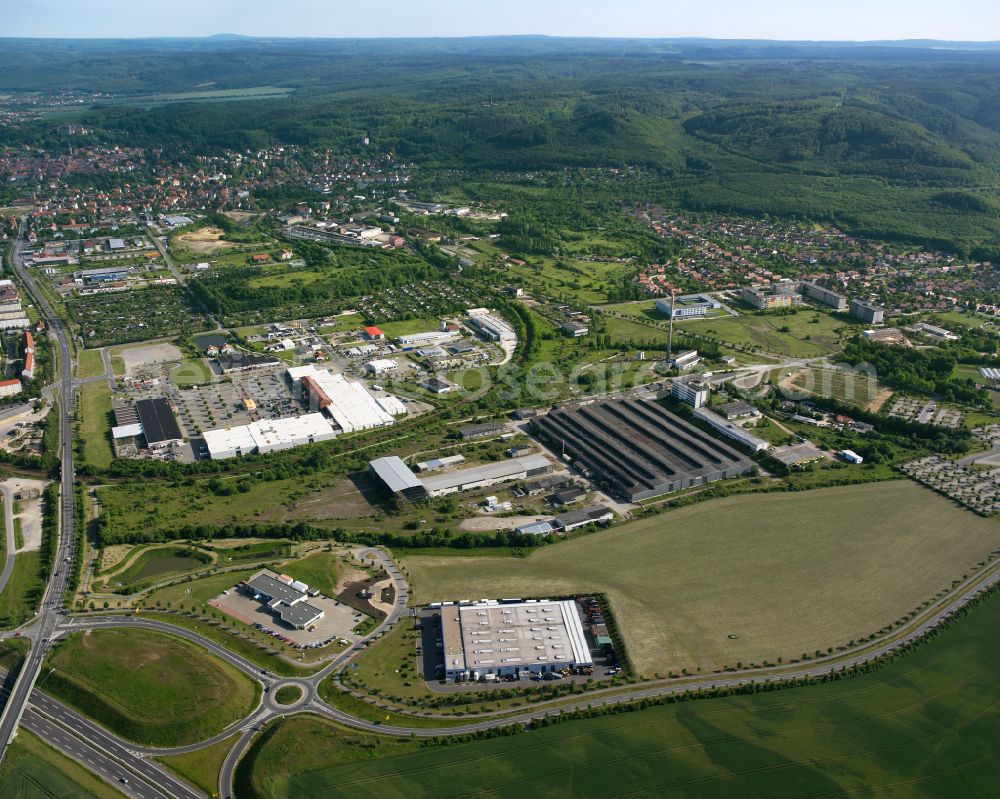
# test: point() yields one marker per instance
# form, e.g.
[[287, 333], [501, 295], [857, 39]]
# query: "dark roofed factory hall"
[[640, 449]]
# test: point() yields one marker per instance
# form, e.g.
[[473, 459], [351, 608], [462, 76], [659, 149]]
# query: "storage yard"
[[639, 449]]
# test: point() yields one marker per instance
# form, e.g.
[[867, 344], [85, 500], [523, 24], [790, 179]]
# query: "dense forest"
[[900, 141]]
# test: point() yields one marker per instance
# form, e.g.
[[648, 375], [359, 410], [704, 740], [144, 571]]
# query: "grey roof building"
[[397, 477], [638, 448], [284, 600]]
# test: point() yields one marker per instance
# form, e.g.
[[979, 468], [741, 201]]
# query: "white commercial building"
[[423, 339], [731, 430], [493, 327], [494, 638], [268, 435], [351, 406], [381, 366]]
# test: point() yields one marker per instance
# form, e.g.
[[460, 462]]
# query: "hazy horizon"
[[966, 21]]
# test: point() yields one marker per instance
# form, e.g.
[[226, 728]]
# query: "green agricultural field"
[[923, 727], [34, 770], [95, 402], [210, 95], [148, 687], [804, 338], [785, 574]]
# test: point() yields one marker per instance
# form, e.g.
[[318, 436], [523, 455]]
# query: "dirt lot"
[[139, 358], [30, 510], [204, 241]]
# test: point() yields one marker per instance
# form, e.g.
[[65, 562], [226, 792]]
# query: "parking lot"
[[337, 623], [223, 403], [977, 489], [928, 412]]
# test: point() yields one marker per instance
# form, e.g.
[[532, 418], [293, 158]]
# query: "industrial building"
[[268, 435], [511, 637], [350, 405], [737, 409], [486, 475], [575, 329], [575, 519], [867, 313], [639, 449], [244, 362], [396, 476], [823, 296], [440, 463], [731, 430], [481, 430], [159, 425], [416, 340], [491, 327], [285, 598], [692, 392], [535, 528], [687, 306]]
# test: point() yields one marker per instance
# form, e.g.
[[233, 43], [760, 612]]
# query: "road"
[[8, 523], [51, 602]]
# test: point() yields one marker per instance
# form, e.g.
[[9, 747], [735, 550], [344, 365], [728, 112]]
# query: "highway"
[[51, 603]]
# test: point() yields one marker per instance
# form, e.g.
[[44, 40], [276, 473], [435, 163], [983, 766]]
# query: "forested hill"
[[895, 139]]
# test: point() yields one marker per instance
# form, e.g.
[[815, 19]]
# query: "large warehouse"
[[351, 406], [640, 449], [268, 435], [510, 637], [395, 475], [159, 425]]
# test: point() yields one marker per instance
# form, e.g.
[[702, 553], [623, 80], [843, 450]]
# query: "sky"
[[967, 20]]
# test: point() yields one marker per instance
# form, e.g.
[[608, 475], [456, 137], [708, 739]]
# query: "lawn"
[[34, 770], [191, 372], [201, 768], [783, 573], [923, 727], [95, 401], [20, 597], [148, 687]]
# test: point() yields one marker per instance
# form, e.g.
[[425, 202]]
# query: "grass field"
[[91, 364], [784, 573], [317, 571], [201, 768], [854, 388], [148, 687], [24, 589], [804, 338], [923, 727], [288, 695], [159, 563], [34, 770], [95, 399]]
